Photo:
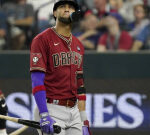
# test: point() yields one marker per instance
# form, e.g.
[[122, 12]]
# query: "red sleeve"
[[38, 57], [125, 41], [102, 40]]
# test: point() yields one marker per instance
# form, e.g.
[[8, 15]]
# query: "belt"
[[64, 102]]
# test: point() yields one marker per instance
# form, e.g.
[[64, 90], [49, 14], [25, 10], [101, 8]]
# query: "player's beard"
[[65, 20]]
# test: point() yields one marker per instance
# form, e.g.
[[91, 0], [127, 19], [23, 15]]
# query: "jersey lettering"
[[67, 59], [79, 58], [56, 60], [72, 57], [63, 58]]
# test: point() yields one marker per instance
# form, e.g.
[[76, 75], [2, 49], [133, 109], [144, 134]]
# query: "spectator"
[[3, 29], [114, 39], [10, 9], [3, 111], [18, 39], [126, 11], [142, 41], [115, 5], [148, 3], [42, 15], [86, 3], [101, 7], [140, 20], [104, 9], [24, 14], [20, 17], [89, 36], [24, 18]]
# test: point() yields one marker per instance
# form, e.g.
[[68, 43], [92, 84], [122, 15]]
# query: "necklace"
[[68, 41]]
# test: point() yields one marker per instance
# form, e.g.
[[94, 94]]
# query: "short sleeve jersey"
[[60, 58]]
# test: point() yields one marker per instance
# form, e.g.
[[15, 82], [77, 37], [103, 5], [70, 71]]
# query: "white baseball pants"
[[68, 118]]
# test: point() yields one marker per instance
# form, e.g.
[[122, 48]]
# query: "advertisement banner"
[[129, 111]]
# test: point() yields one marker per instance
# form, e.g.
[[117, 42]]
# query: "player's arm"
[[28, 20], [82, 103], [140, 39], [39, 92], [102, 42], [136, 45], [38, 65], [24, 22], [101, 48], [81, 91]]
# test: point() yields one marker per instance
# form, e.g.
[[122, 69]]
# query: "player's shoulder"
[[44, 34], [78, 42]]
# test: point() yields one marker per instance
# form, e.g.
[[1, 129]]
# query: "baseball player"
[[56, 61], [3, 111]]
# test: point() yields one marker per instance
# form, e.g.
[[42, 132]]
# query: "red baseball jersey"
[[61, 58]]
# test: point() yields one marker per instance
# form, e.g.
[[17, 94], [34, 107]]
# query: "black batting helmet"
[[62, 2]]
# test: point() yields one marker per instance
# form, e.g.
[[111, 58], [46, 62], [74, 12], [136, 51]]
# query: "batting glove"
[[85, 128], [46, 123]]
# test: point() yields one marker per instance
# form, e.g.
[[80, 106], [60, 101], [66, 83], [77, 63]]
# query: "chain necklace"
[[68, 41]]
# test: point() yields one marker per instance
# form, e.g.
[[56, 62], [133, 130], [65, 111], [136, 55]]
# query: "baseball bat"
[[19, 131], [30, 123]]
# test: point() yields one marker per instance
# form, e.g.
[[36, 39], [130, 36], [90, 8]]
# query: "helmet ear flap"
[[75, 16]]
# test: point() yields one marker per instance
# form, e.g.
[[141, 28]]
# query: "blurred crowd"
[[106, 25]]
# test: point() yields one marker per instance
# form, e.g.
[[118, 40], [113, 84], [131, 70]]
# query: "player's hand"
[[46, 123], [85, 128]]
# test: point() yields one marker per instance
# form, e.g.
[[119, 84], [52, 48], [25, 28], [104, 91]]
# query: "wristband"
[[44, 114], [81, 90], [38, 88], [82, 97], [79, 76]]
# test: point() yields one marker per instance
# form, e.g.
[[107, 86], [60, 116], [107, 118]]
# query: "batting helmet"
[[62, 2]]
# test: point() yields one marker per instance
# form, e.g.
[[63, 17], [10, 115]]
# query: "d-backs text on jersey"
[[67, 58]]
